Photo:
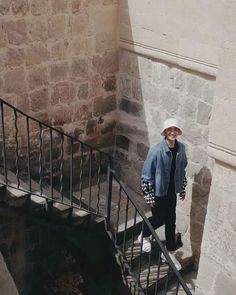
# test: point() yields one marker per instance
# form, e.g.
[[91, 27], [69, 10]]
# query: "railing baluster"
[[141, 254], [167, 280], [158, 272], [40, 159], [51, 163], [132, 247], [81, 175], [126, 220], [98, 181], [28, 153], [61, 166], [17, 148], [90, 178], [177, 288], [149, 266], [71, 170], [4, 144], [109, 193], [118, 215]]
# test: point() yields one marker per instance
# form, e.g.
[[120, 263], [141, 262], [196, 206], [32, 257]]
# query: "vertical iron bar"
[[28, 152], [109, 194], [177, 288], [51, 163], [118, 215], [132, 247], [126, 220], [71, 169], [141, 254], [167, 281], [158, 271], [90, 177], [17, 149], [149, 265], [81, 174], [99, 181], [61, 166], [4, 144], [40, 159]]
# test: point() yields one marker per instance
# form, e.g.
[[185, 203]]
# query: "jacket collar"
[[165, 145]]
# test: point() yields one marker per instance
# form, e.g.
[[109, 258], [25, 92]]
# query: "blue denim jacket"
[[157, 167]]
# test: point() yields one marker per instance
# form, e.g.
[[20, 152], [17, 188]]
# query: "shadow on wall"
[[200, 195]]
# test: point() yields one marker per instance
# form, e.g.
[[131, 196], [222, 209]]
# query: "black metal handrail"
[[61, 168]]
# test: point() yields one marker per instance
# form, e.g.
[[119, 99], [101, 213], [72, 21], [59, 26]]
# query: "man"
[[163, 177]]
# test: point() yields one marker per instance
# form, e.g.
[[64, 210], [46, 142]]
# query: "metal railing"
[[60, 168]]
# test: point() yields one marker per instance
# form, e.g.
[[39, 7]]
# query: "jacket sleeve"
[[185, 182], [148, 192]]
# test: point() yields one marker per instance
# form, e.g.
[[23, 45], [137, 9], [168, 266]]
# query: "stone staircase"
[[145, 266]]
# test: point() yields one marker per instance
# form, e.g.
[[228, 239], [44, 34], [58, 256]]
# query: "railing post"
[[109, 194]]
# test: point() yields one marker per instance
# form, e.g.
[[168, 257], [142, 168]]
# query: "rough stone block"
[[57, 26], [137, 89], [16, 32], [193, 133], [188, 107], [38, 29], [82, 112], [95, 86], [104, 105], [15, 56], [231, 217], [76, 6], [122, 142], [142, 150], [59, 6], [91, 127], [79, 68], [79, 24], [125, 86], [20, 7], [36, 54], [4, 6], [109, 83], [59, 71], [194, 85], [63, 92], [105, 41], [39, 100], [108, 126], [145, 67], [131, 107], [61, 115], [169, 100], [60, 50], [83, 91], [79, 45], [224, 284], [37, 77], [107, 63], [199, 155], [14, 81], [203, 113], [3, 34], [39, 7], [208, 92]]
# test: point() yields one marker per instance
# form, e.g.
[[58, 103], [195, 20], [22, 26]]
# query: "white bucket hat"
[[171, 122]]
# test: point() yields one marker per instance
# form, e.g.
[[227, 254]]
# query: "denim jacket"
[[157, 167]]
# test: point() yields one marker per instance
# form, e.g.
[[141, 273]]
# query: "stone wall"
[[149, 92], [58, 62]]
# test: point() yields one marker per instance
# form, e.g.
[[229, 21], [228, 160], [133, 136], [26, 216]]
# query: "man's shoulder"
[[157, 147]]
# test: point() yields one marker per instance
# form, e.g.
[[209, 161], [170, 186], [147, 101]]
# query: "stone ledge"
[[222, 154]]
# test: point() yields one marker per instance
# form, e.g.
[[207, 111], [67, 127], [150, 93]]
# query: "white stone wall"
[[217, 268], [149, 92]]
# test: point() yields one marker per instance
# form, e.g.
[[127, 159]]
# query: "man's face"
[[172, 133]]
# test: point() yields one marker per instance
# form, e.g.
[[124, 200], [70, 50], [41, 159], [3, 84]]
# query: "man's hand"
[[182, 196]]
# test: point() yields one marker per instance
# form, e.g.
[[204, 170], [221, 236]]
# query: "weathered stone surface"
[[199, 155], [4, 6], [79, 45], [15, 56], [91, 127], [59, 6], [95, 86], [60, 50], [16, 32], [39, 100], [63, 92], [108, 126], [193, 133], [203, 113], [224, 284], [130, 130], [137, 92], [61, 114], [106, 140], [82, 112], [194, 85], [59, 72], [208, 92], [20, 6], [125, 86], [39, 7], [37, 77], [79, 68], [3, 34], [131, 107], [36, 54], [122, 142], [57, 26], [83, 91], [104, 105], [107, 63], [142, 150], [108, 2], [109, 84], [79, 24], [38, 29], [76, 6], [231, 216], [14, 81], [169, 101], [188, 107]]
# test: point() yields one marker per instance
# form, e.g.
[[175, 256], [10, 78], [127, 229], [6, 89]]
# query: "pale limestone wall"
[[58, 62], [149, 92]]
